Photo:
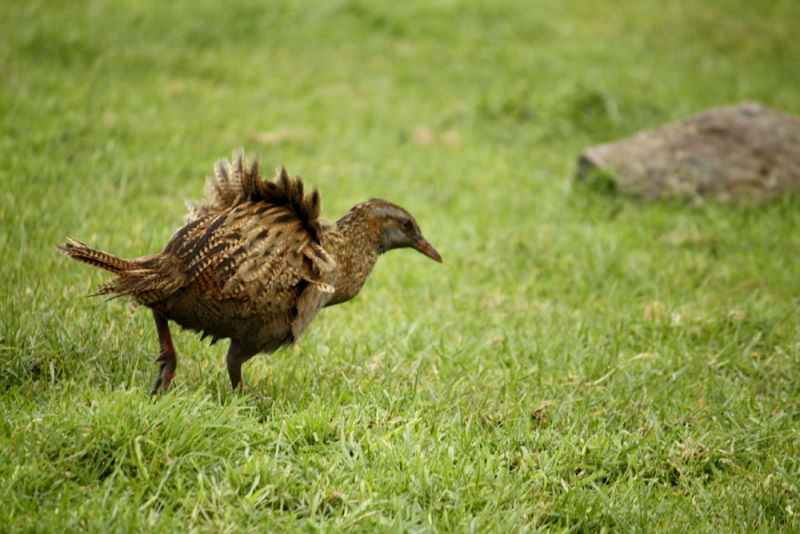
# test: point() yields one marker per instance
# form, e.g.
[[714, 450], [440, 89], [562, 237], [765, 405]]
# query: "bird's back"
[[252, 260]]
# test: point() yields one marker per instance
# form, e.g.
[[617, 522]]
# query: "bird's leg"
[[237, 355], [234, 365], [166, 359]]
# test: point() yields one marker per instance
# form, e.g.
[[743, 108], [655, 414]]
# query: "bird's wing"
[[256, 240], [270, 250]]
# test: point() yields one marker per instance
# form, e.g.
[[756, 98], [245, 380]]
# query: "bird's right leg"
[[166, 360], [237, 355]]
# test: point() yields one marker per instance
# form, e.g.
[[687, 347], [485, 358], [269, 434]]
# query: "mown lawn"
[[580, 362]]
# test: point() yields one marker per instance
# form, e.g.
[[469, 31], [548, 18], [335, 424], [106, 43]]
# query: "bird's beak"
[[426, 248]]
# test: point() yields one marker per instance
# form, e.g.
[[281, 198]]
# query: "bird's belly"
[[265, 327]]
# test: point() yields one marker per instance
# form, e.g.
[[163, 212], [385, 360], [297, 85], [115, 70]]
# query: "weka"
[[255, 263]]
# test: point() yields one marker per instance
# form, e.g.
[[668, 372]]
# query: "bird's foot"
[[166, 371]]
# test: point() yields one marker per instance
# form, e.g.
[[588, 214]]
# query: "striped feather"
[[238, 181]]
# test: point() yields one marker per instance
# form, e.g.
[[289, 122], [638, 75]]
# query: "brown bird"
[[254, 264]]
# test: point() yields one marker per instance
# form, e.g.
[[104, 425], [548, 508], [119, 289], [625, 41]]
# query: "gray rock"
[[745, 153]]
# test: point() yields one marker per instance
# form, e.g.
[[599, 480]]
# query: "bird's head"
[[395, 227]]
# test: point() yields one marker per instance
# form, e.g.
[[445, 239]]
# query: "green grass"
[[580, 362]]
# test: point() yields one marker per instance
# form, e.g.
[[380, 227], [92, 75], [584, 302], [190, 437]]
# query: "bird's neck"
[[355, 244]]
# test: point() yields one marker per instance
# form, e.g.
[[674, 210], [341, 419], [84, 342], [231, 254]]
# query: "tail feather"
[[148, 279], [96, 258]]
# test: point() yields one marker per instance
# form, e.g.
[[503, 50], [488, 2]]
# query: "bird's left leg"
[[237, 355], [166, 360]]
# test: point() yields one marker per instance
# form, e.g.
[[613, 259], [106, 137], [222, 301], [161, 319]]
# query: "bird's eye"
[[408, 226]]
